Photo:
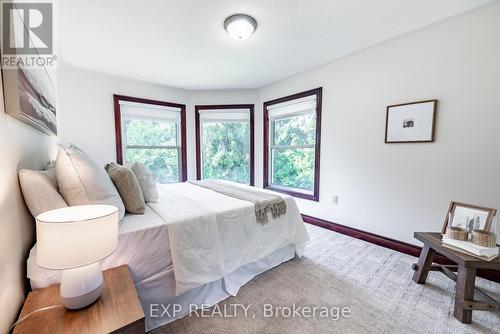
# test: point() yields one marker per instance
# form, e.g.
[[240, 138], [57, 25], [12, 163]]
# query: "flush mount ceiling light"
[[240, 26]]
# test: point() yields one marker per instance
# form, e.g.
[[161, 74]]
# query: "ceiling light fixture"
[[240, 26]]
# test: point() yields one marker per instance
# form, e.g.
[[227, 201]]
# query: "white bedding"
[[144, 244], [212, 234]]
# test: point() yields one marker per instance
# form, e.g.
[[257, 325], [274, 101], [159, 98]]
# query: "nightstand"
[[117, 311]]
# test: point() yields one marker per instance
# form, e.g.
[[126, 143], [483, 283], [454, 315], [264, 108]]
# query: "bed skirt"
[[158, 292]]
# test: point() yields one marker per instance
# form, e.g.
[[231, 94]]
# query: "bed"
[[194, 248]]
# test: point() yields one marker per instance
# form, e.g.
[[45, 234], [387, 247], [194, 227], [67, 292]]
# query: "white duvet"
[[195, 232], [212, 235]]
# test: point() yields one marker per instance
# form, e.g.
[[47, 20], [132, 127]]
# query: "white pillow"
[[82, 181], [146, 181], [50, 172], [39, 192]]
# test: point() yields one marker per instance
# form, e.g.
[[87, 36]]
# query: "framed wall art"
[[413, 122], [28, 87], [30, 97]]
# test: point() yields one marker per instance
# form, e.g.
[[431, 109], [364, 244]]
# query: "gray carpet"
[[339, 271]]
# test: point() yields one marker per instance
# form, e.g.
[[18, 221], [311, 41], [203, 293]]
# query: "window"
[[292, 127], [152, 133], [224, 142]]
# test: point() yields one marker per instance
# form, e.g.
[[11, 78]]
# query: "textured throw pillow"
[[146, 181], [128, 187], [39, 192], [82, 181]]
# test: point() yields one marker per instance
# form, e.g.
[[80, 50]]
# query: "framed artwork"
[[29, 96], [467, 213], [413, 122], [28, 89]]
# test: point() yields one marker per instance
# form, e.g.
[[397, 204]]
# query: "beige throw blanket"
[[262, 201]]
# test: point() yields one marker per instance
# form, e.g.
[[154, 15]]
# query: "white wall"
[[21, 146], [396, 189], [86, 98]]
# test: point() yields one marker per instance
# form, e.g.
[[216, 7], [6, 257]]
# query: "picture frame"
[[29, 96], [29, 91], [471, 210], [413, 122]]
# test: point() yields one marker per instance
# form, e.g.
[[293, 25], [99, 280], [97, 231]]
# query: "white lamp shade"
[[76, 236]]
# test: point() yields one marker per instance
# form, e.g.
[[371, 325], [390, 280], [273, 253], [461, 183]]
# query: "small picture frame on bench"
[[484, 214]]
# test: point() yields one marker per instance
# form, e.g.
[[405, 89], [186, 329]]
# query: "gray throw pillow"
[[128, 187]]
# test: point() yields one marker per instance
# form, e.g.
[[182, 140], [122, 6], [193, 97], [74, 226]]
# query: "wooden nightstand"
[[117, 311]]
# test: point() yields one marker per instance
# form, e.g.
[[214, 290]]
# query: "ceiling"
[[182, 43]]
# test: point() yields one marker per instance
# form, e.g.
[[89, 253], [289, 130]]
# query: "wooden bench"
[[465, 277]]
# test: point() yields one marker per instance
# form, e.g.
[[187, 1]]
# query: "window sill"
[[311, 197]]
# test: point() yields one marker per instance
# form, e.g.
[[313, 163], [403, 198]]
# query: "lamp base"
[[81, 286]]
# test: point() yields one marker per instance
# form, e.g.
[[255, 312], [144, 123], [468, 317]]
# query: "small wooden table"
[[465, 278], [118, 310]]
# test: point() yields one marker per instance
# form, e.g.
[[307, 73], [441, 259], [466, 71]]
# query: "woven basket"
[[484, 238], [457, 233]]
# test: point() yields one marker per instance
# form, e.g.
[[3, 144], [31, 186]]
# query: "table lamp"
[[75, 239]]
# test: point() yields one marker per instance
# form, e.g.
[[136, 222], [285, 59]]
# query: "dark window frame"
[[315, 195], [250, 107], [118, 127]]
